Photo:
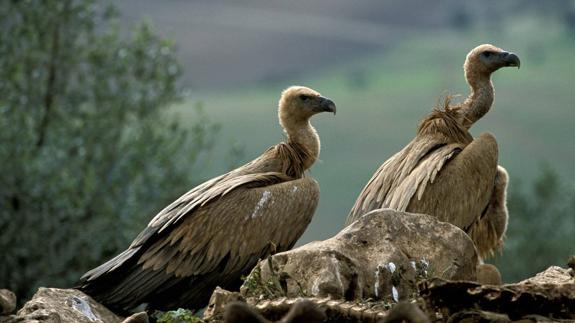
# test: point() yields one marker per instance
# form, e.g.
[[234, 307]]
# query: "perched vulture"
[[444, 171], [216, 232]]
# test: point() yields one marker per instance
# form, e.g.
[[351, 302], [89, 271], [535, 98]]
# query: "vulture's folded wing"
[[184, 206], [223, 231], [239, 226], [404, 175], [462, 189]]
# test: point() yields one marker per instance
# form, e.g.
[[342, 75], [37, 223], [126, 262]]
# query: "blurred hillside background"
[[138, 113]]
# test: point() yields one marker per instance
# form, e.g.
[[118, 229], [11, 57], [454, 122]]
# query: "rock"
[[380, 256], [286, 310], [301, 311], [54, 305], [7, 302], [478, 316], [334, 310], [488, 274], [304, 311], [516, 301], [406, 312], [552, 275], [218, 301], [240, 312], [141, 317]]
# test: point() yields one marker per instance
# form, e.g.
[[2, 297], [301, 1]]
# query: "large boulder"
[[7, 302], [56, 305], [380, 256]]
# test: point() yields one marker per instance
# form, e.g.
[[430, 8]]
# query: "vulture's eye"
[[304, 97], [488, 54]]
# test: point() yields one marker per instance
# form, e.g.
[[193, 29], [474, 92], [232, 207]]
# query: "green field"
[[380, 100]]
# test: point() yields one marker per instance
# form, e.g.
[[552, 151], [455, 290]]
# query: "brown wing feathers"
[[408, 172]]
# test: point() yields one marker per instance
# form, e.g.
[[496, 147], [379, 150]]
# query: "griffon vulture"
[[216, 232], [444, 171]]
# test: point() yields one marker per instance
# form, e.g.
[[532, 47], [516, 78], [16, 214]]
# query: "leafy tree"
[[88, 149], [541, 226]]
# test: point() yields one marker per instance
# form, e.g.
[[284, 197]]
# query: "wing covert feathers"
[[214, 231], [402, 181], [211, 235], [409, 171], [463, 190]]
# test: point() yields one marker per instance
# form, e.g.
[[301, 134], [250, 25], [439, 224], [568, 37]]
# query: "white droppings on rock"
[[315, 287], [265, 197], [391, 267], [294, 189], [395, 294], [425, 262], [425, 265], [337, 274]]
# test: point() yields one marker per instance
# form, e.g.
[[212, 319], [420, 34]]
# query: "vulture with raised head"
[[217, 232], [444, 171]]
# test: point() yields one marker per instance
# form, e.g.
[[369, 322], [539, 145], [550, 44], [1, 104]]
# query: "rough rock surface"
[[7, 302], [380, 256], [551, 275], [301, 311], [56, 305], [459, 300], [218, 301], [141, 317]]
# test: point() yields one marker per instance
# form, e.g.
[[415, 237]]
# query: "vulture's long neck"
[[479, 100], [302, 135]]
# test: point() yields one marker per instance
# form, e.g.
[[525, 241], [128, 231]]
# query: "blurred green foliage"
[[178, 316], [541, 226], [88, 150]]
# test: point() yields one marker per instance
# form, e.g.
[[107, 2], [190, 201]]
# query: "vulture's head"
[[299, 103], [486, 59]]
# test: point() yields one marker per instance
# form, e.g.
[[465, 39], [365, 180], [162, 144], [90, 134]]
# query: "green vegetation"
[[88, 153], [256, 287], [541, 226], [178, 316]]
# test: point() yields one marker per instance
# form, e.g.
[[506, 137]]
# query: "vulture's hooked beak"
[[510, 59], [326, 105]]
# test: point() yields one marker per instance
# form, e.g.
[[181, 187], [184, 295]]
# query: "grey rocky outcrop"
[[380, 256], [54, 305]]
